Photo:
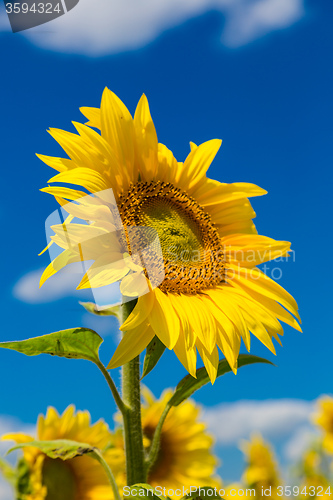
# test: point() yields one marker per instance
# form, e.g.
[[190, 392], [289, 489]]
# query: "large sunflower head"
[[81, 478], [199, 232], [185, 456]]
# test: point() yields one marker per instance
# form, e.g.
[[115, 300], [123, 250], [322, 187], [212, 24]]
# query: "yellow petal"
[[64, 192], [187, 356], [118, 129], [146, 140], [210, 360], [257, 281], [164, 320], [131, 345], [93, 115], [232, 211], [200, 321], [140, 312], [242, 226], [211, 192], [167, 164], [251, 250], [59, 164], [197, 164], [62, 260], [17, 437], [103, 272], [271, 305], [85, 177], [134, 285]]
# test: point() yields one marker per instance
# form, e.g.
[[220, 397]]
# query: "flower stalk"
[[131, 396]]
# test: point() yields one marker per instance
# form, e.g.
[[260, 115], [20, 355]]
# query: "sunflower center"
[[161, 471], [193, 256], [59, 479]]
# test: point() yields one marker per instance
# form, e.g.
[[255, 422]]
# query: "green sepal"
[[77, 343], [112, 310], [188, 385], [154, 351]]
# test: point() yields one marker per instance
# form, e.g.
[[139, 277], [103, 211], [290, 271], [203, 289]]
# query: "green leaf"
[[143, 490], [8, 472], [203, 493], [78, 343], [112, 310], [59, 448], [154, 351], [188, 385]]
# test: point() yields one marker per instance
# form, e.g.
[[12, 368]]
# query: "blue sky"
[[264, 87]]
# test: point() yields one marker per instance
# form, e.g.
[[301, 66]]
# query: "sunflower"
[[324, 419], [261, 472], [314, 472], [212, 295], [81, 478], [185, 456]]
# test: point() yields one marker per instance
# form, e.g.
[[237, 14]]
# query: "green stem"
[[155, 445], [98, 456], [111, 384], [135, 462]]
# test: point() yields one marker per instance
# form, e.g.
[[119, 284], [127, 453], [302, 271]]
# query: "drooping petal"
[[131, 345], [164, 320], [140, 312], [257, 281], [186, 355], [210, 360]]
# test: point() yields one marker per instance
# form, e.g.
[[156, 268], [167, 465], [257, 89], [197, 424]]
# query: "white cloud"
[[299, 442], [62, 284], [231, 422], [109, 26], [249, 20]]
